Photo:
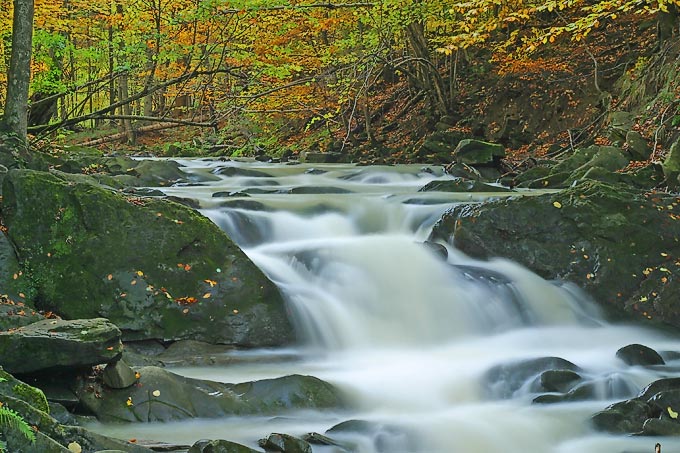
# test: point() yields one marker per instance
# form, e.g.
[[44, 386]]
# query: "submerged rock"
[[155, 268], [56, 343], [160, 395], [653, 412], [503, 381], [385, 438]]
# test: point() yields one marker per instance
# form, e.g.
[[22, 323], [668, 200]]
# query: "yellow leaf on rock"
[[672, 413], [557, 204]]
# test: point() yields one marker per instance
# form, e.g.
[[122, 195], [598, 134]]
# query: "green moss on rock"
[[617, 242], [155, 268]]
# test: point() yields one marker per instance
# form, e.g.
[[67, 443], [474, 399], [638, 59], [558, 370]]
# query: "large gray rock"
[[56, 343], [118, 375], [616, 242], [637, 354], [155, 268], [461, 185], [160, 395]]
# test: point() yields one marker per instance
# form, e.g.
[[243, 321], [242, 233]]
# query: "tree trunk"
[[430, 78], [15, 119], [124, 93]]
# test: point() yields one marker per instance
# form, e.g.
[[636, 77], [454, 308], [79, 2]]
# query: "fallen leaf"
[[187, 267], [672, 413], [156, 393], [557, 204], [186, 300], [109, 277], [212, 283], [137, 375], [75, 447], [129, 401], [207, 295], [235, 311], [140, 273]]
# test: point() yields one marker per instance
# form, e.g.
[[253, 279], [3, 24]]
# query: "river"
[[407, 334]]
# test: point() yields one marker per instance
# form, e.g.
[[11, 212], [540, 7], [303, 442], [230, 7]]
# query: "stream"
[[406, 333]]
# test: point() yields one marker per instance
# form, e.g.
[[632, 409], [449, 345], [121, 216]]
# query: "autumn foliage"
[[261, 69]]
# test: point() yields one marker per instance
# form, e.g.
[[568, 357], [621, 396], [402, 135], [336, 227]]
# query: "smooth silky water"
[[404, 332]]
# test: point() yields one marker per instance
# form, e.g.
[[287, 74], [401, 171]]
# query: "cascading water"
[[408, 330]]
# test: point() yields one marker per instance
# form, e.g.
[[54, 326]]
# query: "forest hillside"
[[389, 81]]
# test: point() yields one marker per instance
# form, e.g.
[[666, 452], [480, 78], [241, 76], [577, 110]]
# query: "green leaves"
[[11, 420]]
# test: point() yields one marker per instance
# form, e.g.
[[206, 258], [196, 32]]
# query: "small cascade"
[[409, 330]]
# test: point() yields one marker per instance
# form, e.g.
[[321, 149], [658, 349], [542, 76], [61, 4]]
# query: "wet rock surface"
[[56, 343], [616, 242]]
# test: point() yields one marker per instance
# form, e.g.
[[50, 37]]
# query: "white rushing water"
[[405, 333]]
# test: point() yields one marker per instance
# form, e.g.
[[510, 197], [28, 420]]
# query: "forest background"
[[367, 80]]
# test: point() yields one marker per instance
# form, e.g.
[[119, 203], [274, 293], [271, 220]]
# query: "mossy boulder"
[[155, 268], [29, 404], [121, 171], [618, 243], [56, 343], [219, 446], [9, 270], [477, 152], [160, 395], [607, 164], [285, 443]]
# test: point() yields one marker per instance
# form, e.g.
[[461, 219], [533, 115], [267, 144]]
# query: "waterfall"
[[410, 330]]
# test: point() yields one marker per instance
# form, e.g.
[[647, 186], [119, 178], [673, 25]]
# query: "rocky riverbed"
[[103, 284]]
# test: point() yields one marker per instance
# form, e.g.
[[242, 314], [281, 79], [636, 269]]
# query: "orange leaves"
[[186, 300], [186, 267]]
